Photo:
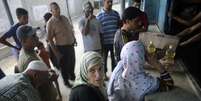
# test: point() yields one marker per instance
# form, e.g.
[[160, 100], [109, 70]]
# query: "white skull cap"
[[37, 65]]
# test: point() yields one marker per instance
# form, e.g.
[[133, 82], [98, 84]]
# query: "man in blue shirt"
[[22, 16], [110, 22]]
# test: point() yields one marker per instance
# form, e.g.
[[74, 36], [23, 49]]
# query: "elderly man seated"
[[24, 86]]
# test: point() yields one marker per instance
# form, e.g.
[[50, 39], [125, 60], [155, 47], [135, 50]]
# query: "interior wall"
[[162, 14], [37, 8], [4, 21], [152, 9], [157, 12]]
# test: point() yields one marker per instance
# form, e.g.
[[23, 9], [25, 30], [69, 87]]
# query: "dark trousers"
[[53, 58], [106, 49], [67, 63]]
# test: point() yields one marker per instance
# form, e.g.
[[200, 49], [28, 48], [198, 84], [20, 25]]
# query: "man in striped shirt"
[[110, 22]]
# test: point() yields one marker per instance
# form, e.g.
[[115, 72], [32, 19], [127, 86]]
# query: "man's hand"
[[185, 43], [53, 75], [165, 61], [90, 16], [152, 60], [75, 42]]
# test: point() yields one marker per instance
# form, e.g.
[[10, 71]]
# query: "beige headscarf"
[[89, 59]]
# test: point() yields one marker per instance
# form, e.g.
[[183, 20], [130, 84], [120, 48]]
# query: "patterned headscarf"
[[132, 56], [129, 76], [89, 59]]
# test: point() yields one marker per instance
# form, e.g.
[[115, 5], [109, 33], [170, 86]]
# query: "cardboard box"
[[160, 40]]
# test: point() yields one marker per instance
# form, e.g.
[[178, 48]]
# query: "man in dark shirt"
[[22, 16], [129, 30]]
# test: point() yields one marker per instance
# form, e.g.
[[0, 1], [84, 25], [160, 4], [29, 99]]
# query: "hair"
[[21, 11], [54, 3], [138, 1], [47, 16], [130, 13], [22, 32], [87, 3]]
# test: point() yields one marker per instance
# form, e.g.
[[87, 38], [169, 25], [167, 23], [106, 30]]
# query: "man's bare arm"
[[5, 42]]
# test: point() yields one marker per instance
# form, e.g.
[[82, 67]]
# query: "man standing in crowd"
[[62, 40], [22, 16], [129, 30], [110, 22], [90, 29], [29, 40]]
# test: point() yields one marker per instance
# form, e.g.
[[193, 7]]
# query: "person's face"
[[88, 10], [137, 4], [134, 24], [108, 4], [55, 10], [23, 19], [31, 41], [95, 75]]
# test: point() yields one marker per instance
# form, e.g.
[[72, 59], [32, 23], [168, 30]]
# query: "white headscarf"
[[129, 78]]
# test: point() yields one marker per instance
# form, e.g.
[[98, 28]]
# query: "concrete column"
[[122, 6], [5, 3]]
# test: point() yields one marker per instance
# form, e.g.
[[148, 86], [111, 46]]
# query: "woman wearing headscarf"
[[90, 79], [129, 82]]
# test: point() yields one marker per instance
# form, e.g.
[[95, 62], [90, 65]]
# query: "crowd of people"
[[105, 33]]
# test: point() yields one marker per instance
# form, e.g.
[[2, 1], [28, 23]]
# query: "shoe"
[[67, 83]]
